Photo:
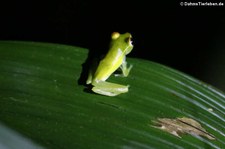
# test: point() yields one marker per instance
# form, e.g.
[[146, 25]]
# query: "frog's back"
[[107, 66]]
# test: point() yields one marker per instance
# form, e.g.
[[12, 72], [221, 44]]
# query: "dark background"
[[188, 38]]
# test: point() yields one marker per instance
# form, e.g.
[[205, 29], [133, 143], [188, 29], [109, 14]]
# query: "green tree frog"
[[120, 46]]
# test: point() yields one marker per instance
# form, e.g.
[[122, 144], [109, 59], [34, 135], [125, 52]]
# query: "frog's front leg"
[[108, 88], [124, 68]]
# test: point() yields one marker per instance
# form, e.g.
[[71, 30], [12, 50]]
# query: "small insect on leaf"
[[183, 125]]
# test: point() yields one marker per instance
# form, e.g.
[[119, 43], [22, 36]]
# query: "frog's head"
[[122, 41]]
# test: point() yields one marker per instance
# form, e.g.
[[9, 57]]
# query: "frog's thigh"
[[89, 79], [109, 89]]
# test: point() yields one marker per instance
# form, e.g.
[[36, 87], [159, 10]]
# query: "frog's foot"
[[109, 89]]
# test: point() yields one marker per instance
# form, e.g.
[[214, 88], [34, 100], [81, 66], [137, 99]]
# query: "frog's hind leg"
[[109, 89]]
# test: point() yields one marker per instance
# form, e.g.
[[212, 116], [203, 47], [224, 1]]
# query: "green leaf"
[[40, 98]]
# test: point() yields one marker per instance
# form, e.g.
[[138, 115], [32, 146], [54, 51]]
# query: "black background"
[[188, 38]]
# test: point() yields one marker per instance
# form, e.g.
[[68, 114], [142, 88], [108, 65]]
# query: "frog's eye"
[[115, 35]]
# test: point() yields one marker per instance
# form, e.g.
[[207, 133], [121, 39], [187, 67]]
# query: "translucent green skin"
[[120, 46]]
